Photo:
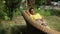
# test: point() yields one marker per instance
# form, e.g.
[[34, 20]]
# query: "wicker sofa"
[[32, 25]]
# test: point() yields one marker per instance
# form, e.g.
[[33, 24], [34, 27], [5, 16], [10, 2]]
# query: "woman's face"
[[32, 11]]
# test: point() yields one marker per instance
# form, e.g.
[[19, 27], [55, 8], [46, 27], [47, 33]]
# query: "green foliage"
[[55, 12], [6, 18], [11, 24], [16, 12], [11, 6], [48, 12], [37, 2], [1, 8], [44, 12], [1, 28], [3, 12], [41, 2]]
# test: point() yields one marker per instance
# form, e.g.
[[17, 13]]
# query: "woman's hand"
[[27, 12]]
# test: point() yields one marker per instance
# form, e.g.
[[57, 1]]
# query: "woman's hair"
[[30, 9]]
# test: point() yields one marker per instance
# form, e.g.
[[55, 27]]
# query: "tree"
[[2, 9], [11, 5], [48, 2], [42, 2]]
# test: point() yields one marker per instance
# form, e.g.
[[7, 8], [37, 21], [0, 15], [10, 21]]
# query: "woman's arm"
[[27, 12], [41, 17]]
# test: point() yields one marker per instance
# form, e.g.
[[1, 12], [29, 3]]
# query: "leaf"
[[6, 18]]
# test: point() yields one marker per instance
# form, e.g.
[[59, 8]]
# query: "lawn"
[[53, 21]]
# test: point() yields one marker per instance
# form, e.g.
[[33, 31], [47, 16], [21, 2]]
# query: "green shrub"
[[3, 12], [16, 12], [44, 12], [55, 12], [1, 29]]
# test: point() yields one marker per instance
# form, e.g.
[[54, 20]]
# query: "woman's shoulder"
[[37, 13]]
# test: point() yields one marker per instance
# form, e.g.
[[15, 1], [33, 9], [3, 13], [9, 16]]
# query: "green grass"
[[52, 21]]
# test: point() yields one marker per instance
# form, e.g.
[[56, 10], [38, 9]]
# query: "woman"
[[36, 17]]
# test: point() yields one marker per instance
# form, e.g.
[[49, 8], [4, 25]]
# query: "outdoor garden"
[[12, 22]]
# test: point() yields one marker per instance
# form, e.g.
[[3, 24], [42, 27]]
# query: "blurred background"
[[12, 22]]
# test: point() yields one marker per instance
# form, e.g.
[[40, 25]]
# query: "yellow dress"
[[36, 16]]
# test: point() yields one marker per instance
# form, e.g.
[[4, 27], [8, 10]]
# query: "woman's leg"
[[41, 22]]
